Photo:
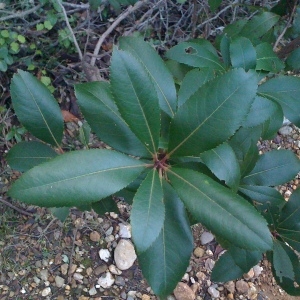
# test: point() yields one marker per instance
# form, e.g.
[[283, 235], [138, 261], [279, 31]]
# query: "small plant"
[[188, 157]]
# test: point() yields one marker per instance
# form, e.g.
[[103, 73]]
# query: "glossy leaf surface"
[[99, 109], [76, 178], [284, 90], [267, 60], [221, 210], [138, 106], [165, 262], [224, 164], [196, 126], [36, 108], [274, 168], [26, 155], [242, 53], [157, 70], [148, 212]]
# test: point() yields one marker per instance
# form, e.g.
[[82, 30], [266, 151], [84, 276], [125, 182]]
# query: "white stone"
[[46, 292], [92, 291], [78, 276], [206, 237], [124, 255], [59, 281], [44, 274], [114, 270], [106, 280], [285, 130], [104, 254], [213, 292], [257, 270], [125, 231]]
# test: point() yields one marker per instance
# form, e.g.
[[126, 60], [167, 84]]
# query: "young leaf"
[[284, 90], [76, 178], [242, 53], [221, 210], [157, 70], [267, 60], [148, 212], [224, 164], [36, 108], [261, 110], [137, 103], [192, 82], [26, 155], [164, 263], [274, 168], [288, 225], [98, 107], [210, 116], [281, 262], [195, 55]]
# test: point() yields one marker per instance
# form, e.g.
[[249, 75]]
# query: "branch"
[[120, 18], [82, 6], [21, 14], [70, 29], [21, 211]]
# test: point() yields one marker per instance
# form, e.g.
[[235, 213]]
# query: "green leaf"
[[214, 4], [3, 66], [293, 59], [234, 263], [99, 109], [157, 70], [21, 39], [284, 90], [15, 47], [177, 70], [148, 212], [274, 168], [164, 263], [281, 262], [195, 55], [261, 110], [224, 164], [242, 53], [221, 210], [288, 224], [267, 60], [138, 105], [39, 26], [192, 81], [26, 155], [249, 159], [259, 25], [4, 33], [225, 49], [84, 134], [105, 205], [234, 29], [61, 213], [36, 108], [210, 116], [76, 178]]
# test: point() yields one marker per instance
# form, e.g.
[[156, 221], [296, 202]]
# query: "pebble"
[[285, 130], [213, 292], [209, 264], [183, 292], [252, 292], [242, 286], [206, 237], [64, 269], [125, 231], [114, 270], [59, 281], [230, 286], [249, 275], [106, 280], [92, 291], [44, 274], [100, 269], [120, 281], [46, 291], [199, 252], [78, 276], [145, 297], [104, 254], [257, 270], [95, 236], [124, 255]]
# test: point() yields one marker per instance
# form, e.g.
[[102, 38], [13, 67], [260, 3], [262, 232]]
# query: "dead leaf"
[[68, 117]]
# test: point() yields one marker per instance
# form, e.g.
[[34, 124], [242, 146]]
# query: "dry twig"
[[21, 211], [21, 14]]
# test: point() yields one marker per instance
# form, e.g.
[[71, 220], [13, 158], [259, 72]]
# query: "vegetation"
[[182, 135]]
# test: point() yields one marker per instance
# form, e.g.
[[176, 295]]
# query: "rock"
[[242, 286], [114, 270], [170, 297], [59, 281], [257, 270], [100, 269], [46, 291], [230, 286], [145, 297], [230, 296], [64, 269], [199, 252], [285, 130], [213, 292], [44, 274], [78, 276], [185, 277], [209, 264], [249, 275], [206, 237], [95, 236], [104, 254], [252, 292], [124, 231], [92, 291], [106, 280], [183, 292], [124, 255], [120, 281]]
